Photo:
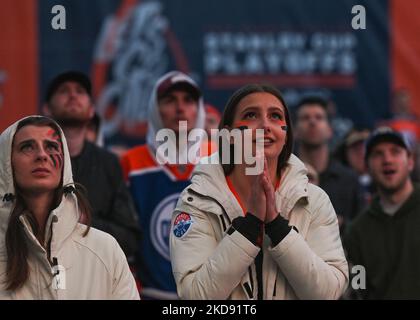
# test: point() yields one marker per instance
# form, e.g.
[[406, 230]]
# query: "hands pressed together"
[[261, 202]]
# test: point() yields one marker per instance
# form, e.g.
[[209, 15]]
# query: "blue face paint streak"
[[56, 160], [52, 157], [59, 160]]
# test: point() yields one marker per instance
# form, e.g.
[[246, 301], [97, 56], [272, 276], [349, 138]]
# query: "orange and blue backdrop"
[[125, 45]]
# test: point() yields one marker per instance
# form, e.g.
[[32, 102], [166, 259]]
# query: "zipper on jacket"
[[48, 249], [275, 286], [248, 290], [251, 279], [259, 270], [38, 282], [55, 270], [57, 280], [223, 223]]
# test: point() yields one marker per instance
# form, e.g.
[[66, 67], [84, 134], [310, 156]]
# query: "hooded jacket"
[[155, 189], [211, 262], [155, 121], [90, 267]]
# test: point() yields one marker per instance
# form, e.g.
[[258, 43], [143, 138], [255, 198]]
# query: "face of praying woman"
[[37, 159], [262, 110]]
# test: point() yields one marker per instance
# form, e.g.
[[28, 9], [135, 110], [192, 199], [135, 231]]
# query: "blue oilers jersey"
[[155, 190]]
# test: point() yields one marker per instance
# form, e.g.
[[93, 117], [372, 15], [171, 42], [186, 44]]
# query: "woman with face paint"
[[45, 252], [265, 235]]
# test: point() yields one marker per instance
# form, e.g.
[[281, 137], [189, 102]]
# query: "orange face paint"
[[54, 135], [282, 124], [241, 125]]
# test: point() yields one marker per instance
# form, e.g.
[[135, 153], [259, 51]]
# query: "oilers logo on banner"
[[160, 224], [182, 224], [135, 46]]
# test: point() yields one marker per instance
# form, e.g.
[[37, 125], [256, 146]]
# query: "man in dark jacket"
[[384, 241], [69, 102], [313, 132]]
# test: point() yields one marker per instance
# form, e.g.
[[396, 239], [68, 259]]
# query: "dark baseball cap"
[[75, 76], [178, 81], [356, 136], [385, 134]]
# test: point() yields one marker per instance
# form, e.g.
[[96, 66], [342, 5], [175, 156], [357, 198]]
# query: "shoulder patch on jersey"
[[182, 224]]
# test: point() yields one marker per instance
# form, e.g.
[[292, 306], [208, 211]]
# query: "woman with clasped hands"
[[271, 235]]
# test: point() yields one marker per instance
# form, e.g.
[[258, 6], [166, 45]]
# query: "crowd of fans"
[[177, 242]]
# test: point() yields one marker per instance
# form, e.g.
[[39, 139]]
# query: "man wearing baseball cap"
[[68, 100], [385, 239], [155, 187]]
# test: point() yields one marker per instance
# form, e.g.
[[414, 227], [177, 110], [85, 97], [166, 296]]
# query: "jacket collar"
[[293, 185], [209, 181]]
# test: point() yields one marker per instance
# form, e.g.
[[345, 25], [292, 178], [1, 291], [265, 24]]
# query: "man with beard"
[[69, 102], [385, 240], [313, 132]]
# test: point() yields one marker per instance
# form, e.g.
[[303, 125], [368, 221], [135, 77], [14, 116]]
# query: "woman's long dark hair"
[[17, 268], [229, 114]]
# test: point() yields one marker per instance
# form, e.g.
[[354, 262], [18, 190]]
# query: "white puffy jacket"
[[208, 263], [91, 267]]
